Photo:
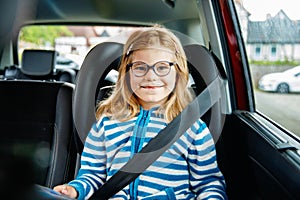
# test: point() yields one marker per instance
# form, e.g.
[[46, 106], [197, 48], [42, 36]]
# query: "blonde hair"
[[123, 104]]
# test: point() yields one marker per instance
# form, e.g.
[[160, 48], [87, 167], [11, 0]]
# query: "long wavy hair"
[[122, 104]]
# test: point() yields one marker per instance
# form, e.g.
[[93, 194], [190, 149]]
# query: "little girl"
[[151, 90]]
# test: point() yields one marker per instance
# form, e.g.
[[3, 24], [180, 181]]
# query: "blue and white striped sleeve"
[[206, 180]]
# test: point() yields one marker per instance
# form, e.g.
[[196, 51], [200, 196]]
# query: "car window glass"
[[271, 35], [71, 42]]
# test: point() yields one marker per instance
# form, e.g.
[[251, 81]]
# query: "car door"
[[262, 152], [296, 82]]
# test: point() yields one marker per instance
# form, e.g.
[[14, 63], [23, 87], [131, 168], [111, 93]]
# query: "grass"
[[275, 63]]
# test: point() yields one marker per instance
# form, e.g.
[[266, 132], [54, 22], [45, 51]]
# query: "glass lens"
[[162, 68], [139, 68]]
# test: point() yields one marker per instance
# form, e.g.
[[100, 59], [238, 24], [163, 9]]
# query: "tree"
[[41, 35]]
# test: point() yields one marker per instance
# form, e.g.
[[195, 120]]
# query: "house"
[[274, 39], [84, 38]]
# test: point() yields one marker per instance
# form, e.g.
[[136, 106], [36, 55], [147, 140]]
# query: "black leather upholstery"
[[36, 62], [96, 65], [36, 124], [203, 67]]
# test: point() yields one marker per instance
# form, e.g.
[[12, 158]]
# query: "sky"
[[260, 8]]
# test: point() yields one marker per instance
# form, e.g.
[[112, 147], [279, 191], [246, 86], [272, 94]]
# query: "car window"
[[72, 43], [271, 34]]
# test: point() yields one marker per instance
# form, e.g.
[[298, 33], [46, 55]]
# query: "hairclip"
[[129, 49]]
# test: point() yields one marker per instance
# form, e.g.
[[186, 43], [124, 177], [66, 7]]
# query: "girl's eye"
[[140, 68], [161, 68]]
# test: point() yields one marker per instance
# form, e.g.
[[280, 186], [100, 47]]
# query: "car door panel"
[[262, 165]]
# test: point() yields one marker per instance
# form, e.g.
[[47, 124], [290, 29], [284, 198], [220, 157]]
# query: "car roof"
[[107, 11]]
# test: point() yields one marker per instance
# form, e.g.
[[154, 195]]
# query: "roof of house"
[[278, 29]]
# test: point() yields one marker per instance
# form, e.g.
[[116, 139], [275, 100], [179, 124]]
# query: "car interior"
[[32, 69], [46, 115]]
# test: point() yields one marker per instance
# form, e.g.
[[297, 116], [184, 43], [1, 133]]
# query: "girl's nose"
[[151, 75]]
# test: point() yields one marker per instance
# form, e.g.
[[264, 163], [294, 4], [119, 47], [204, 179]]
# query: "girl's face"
[[152, 90]]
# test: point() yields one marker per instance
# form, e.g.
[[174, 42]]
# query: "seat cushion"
[[36, 123]]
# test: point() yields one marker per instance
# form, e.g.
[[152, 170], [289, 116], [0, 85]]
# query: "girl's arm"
[[92, 173], [206, 179]]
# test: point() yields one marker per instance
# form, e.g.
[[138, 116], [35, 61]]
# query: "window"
[[273, 51], [275, 86], [71, 42], [257, 52]]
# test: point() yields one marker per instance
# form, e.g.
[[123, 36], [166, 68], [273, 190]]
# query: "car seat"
[[39, 64], [37, 126], [105, 57]]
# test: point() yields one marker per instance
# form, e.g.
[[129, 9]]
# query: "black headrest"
[[36, 62], [204, 68], [94, 68]]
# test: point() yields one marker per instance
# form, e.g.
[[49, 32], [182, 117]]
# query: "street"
[[282, 108]]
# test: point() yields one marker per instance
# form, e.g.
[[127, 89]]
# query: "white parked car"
[[283, 82]]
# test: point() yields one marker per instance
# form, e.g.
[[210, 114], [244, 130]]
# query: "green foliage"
[[41, 35], [275, 63]]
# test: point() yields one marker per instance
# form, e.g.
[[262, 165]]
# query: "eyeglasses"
[[161, 68]]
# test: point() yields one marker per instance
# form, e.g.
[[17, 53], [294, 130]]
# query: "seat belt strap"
[[159, 144]]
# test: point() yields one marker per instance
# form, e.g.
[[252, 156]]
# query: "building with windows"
[[276, 38]]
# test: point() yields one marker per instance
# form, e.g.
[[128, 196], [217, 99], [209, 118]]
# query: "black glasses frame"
[[151, 67]]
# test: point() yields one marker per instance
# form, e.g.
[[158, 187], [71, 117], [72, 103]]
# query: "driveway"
[[282, 108]]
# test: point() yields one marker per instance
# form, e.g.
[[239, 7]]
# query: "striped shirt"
[[187, 170]]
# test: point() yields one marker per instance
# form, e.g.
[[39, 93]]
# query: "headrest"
[[37, 62], [94, 68], [205, 68]]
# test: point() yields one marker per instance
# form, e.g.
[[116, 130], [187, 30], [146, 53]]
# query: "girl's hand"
[[66, 190]]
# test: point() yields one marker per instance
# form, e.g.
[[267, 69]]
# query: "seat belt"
[[160, 143]]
